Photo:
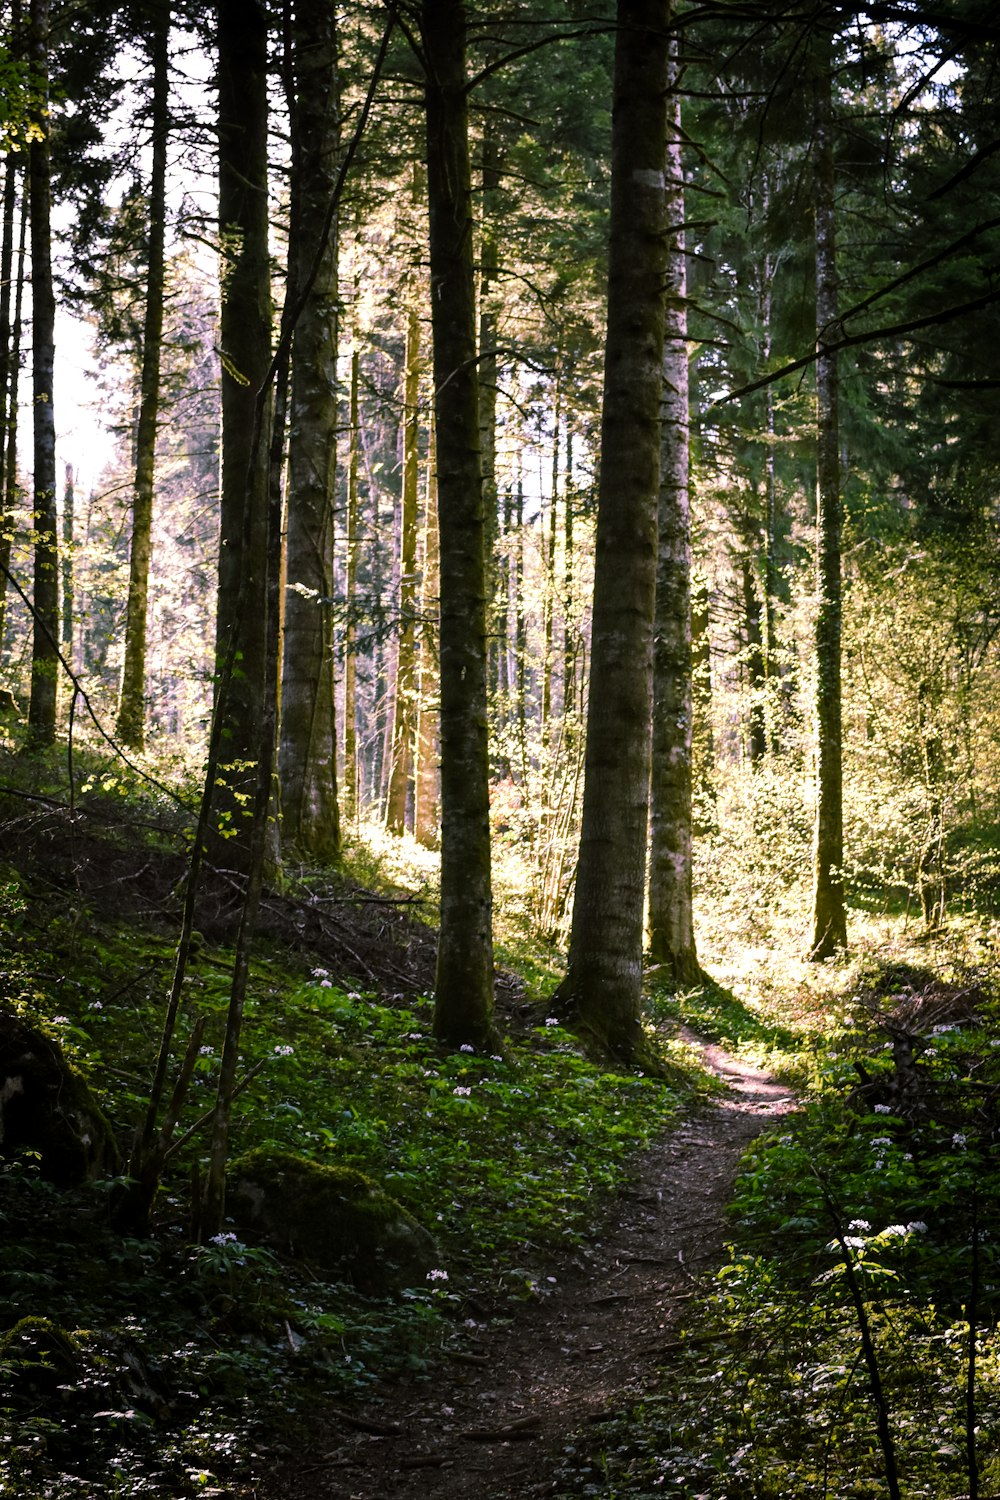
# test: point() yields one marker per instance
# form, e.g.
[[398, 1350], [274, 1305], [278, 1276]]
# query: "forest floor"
[[589, 1345]]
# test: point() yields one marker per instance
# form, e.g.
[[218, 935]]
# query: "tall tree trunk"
[[829, 918], [404, 726], [549, 533], [753, 615], [132, 700], [45, 601], [245, 333], [68, 604], [670, 903], [569, 613], [12, 344], [489, 262], [352, 791], [703, 735], [310, 818], [427, 779], [602, 990], [463, 1010]]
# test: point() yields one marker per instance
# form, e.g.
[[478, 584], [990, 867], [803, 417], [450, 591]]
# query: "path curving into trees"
[[493, 1423]]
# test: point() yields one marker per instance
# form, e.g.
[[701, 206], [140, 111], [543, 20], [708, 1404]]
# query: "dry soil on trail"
[[491, 1424]]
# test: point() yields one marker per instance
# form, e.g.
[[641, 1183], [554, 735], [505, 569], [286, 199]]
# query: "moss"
[[37, 1355], [47, 1106], [334, 1217]]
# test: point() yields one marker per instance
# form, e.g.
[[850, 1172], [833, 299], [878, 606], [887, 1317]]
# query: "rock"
[[46, 1106], [39, 1356], [334, 1217]]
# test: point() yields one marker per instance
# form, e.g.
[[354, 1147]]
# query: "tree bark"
[[753, 615], [45, 597], [404, 727], [245, 333], [464, 984], [132, 698], [602, 990], [829, 919], [11, 380], [351, 784], [670, 927], [310, 817], [427, 778]]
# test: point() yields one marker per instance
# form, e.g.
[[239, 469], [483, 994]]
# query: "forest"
[[499, 706]]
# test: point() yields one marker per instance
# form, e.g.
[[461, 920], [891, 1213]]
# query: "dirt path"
[[488, 1425]]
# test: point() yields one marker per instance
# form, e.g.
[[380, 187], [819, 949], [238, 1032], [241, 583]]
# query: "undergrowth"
[[180, 1364], [847, 1347]]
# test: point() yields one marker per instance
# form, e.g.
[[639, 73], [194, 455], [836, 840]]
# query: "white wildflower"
[[896, 1231], [882, 1109], [437, 1275], [466, 1048], [284, 1051], [462, 1092], [552, 1020], [95, 1005], [321, 973], [959, 1138], [859, 1224], [916, 1226], [223, 1239]]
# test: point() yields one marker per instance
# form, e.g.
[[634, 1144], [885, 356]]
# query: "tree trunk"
[[132, 699], [755, 661], [703, 734], [245, 333], [464, 985], [489, 262], [310, 818], [569, 612], [404, 725], [602, 990], [45, 636], [351, 786], [68, 604], [829, 919], [11, 380], [670, 925], [427, 780]]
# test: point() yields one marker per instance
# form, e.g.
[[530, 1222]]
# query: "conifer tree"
[[464, 984], [602, 989]]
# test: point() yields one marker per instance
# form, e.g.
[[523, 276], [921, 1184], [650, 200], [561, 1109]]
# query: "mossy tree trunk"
[[310, 816], [464, 982], [245, 336], [602, 990], [829, 918], [670, 926], [132, 696]]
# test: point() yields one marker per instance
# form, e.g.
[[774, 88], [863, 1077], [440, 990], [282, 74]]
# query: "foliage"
[[192, 1360], [769, 1393]]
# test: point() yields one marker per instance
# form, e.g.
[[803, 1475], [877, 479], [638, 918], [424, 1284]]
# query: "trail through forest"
[[492, 1424]]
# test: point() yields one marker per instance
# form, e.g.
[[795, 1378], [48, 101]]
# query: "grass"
[[190, 1360], [159, 1367]]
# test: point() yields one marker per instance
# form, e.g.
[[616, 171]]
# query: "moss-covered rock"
[[337, 1219], [46, 1106], [38, 1356]]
